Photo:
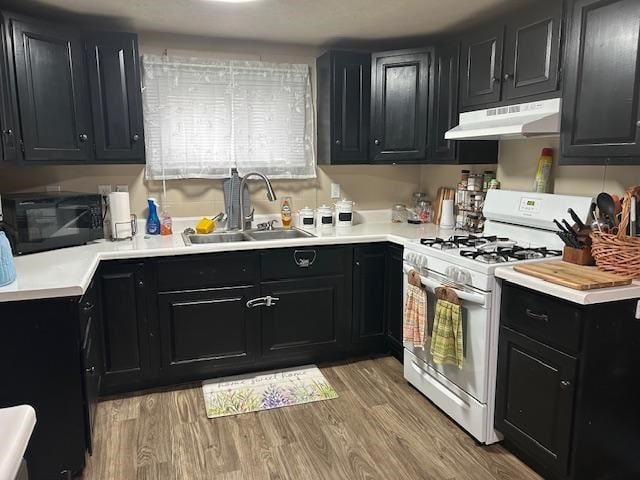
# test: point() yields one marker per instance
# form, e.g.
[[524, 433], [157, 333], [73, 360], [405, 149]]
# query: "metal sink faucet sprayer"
[[271, 195]]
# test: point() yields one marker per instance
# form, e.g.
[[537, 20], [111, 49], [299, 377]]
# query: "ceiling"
[[304, 22]]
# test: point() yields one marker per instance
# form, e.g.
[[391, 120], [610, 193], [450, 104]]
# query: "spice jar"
[[399, 213]]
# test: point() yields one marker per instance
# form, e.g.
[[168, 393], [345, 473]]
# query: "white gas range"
[[519, 228]]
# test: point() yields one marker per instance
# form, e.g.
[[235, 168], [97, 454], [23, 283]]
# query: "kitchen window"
[[204, 116]]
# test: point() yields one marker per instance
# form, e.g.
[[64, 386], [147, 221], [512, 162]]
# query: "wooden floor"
[[379, 428]]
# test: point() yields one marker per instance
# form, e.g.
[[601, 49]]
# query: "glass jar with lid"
[[399, 213]]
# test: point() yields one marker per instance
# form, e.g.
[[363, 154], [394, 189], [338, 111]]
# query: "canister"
[[344, 213], [324, 217], [307, 219]]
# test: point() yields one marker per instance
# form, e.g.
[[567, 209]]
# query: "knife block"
[[579, 256]]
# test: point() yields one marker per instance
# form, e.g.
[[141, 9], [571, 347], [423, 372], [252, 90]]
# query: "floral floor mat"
[[264, 391]]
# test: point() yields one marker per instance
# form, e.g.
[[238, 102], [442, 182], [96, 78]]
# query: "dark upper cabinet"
[[52, 91], [532, 52], [445, 115], [124, 326], [309, 320], [369, 317], [394, 283], [601, 107], [203, 330], [534, 398], [114, 79], [401, 97], [514, 59], [344, 102], [9, 125], [482, 66]]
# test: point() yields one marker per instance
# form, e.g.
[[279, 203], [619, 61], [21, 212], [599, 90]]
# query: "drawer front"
[[304, 262], [549, 320], [207, 271]]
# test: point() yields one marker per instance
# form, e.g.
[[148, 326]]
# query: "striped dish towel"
[[446, 339], [415, 313]]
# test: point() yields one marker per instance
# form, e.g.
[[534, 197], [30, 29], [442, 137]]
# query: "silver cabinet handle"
[[303, 262], [83, 137], [135, 138], [267, 301]]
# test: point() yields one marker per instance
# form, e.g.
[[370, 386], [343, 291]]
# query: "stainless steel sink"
[[277, 234], [249, 235], [223, 237]]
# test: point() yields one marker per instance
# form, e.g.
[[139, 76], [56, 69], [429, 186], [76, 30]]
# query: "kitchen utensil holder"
[[618, 252], [579, 256]]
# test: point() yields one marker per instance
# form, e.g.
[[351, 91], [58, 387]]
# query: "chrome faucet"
[[271, 195]]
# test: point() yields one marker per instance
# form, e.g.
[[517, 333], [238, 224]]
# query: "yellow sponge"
[[205, 225]]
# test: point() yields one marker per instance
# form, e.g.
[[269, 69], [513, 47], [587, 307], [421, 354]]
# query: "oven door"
[[475, 307]]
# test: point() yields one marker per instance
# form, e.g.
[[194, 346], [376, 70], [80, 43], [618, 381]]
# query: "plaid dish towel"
[[415, 313], [446, 339]]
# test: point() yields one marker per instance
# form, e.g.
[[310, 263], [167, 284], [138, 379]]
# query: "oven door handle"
[[432, 284]]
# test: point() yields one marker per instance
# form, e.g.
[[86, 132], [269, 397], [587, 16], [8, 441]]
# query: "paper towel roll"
[[448, 219], [120, 215]]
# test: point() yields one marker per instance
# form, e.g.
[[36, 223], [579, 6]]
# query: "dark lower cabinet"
[[535, 398], [601, 99], [9, 125], [51, 81], [369, 299], [308, 320], [394, 307], [124, 326], [40, 365], [566, 373], [114, 80], [203, 331], [401, 95]]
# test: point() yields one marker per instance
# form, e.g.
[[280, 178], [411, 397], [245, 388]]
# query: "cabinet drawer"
[[543, 318], [207, 271], [303, 262]]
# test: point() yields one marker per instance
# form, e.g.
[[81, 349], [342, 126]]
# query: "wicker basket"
[[617, 252]]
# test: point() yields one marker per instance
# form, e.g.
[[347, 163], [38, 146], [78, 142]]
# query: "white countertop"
[[582, 297], [16, 425], [68, 271]]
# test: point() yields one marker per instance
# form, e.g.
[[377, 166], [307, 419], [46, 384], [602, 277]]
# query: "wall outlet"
[[104, 190], [122, 188], [52, 188], [335, 190]]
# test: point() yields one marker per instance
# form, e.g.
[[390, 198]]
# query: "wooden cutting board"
[[572, 276]]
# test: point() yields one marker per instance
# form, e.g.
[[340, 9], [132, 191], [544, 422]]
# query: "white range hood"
[[535, 119]]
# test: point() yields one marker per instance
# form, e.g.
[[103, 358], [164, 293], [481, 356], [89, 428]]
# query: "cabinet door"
[[481, 67], [401, 96], [308, 321], [52, 92], [394, 301], [124, 326], [532, 52], [445, 110], [203, 330], [535, 398], [9, 127], [601, 107], [351, 108], [369, 320], [116, 103]]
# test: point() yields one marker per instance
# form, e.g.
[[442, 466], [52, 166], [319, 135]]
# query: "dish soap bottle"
[[286, 213], [153, 222], [166, 224]]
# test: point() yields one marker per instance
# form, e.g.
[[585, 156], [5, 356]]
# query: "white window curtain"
[[204, 116]]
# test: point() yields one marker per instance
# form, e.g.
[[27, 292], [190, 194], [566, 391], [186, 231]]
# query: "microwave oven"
[[36, 222]]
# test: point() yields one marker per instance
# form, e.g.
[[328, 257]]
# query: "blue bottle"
[[7, 267], [153, 221]]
